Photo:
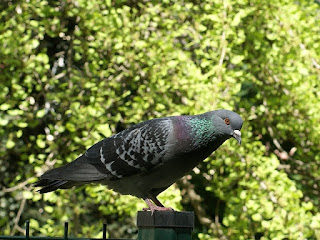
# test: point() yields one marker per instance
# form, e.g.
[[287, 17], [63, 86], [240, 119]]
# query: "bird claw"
[[157, 208]]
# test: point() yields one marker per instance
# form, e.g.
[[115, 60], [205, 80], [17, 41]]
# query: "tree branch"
[[12, 189], [17, 219], [196, 202]]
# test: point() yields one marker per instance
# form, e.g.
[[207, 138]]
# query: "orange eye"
[[227, 121]]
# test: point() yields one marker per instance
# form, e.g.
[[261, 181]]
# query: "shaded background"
[[75, 71]]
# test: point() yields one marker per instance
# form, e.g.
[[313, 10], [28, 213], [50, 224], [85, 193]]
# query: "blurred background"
[[73, 72]]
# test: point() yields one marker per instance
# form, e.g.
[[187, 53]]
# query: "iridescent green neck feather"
[[202, 130]]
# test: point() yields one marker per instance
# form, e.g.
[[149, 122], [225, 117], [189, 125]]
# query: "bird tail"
[[52, 185], [78, 172]]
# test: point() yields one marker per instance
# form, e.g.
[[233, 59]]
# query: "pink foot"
[[152, 207]]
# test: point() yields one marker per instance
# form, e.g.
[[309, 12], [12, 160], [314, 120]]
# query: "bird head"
[[229, 122]]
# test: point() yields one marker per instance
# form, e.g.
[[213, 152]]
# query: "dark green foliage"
[[74, 72]]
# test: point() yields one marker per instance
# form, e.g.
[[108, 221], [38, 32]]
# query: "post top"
[[165, 219]]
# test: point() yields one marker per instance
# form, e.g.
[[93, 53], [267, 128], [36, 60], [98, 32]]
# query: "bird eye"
[[227, 121]]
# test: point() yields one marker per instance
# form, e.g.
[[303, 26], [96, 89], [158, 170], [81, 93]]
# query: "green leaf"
[[15, 112], [22, 124], [49, 209], [256, 217], [4, 106], [41, 113], [40, 143], [27, 195], [104, 129], [10, 144]]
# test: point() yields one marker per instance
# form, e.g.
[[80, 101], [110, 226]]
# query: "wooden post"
[[165, 225]]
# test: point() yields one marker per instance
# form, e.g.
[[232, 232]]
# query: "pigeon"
[[148, 157]]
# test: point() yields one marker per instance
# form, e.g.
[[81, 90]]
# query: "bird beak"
[[237, 135]]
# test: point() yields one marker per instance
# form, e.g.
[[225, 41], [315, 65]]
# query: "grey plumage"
[[147, 158]]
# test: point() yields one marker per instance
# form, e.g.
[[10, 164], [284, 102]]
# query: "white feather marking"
[[102, 159], [122, 155], [138, 141], [117, 151], [131, 163], [133, 140], [145, 158], [155, 160], [108, 167]]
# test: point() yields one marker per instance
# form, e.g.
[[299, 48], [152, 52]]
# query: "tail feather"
[[51, 185], [75, 173]]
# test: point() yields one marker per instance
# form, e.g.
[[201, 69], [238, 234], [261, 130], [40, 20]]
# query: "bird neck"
[[202, 127], [197, 131]]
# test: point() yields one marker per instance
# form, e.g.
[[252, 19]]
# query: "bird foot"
[[153, 208], [157, 208]]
